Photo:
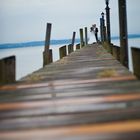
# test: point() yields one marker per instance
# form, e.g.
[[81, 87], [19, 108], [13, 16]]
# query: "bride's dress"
[[91, 38]]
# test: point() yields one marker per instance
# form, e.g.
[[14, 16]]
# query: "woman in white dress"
[[92, 38]]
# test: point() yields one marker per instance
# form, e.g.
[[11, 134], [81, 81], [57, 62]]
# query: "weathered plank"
[[68, 119], [108, 131], [85, 95]]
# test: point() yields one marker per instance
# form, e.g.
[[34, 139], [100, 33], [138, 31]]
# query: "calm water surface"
[[30, 59]]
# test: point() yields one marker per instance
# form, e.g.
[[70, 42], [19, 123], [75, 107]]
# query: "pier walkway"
[[87, 95]]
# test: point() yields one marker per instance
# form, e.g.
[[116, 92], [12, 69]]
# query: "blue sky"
[[25, 20]]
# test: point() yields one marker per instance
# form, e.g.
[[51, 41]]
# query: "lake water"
[[29, 59]]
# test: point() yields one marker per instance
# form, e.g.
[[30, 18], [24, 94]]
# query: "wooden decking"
[[87, 95]]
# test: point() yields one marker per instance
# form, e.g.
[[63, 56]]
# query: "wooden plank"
[[118, 129], [49, 121], [74, 98], [87, 88], [66, 82], [56, 109], [74, 101], [64, 92]]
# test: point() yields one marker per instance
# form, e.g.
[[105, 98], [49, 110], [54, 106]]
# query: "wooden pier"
[[87, 95]]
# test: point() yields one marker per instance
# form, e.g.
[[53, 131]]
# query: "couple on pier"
[[94, 34]]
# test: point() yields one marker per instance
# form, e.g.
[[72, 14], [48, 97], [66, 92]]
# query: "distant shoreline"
[[35, 43], [53, 42]]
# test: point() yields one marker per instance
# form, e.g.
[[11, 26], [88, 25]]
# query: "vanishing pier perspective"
[[89, 94]]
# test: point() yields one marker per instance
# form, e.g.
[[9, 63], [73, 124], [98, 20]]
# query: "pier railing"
[[66, 49], [116, 52], [8, 64], [136, 61]]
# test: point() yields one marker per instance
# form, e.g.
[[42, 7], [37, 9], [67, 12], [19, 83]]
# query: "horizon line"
[[52, 42]]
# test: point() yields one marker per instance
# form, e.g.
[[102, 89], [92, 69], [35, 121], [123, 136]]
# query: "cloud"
[[22, 20]]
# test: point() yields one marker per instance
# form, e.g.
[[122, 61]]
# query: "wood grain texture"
[[84, 96]]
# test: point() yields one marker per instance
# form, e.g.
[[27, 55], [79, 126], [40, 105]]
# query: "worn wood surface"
[[81, 38], [136, 61], [87, 95], [7, 70], [47, 53]]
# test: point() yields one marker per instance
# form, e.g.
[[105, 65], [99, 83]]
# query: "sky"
[[25, 20]]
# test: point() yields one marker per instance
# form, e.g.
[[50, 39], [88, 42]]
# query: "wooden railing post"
[[81, 38], [104, 33], [77, 46], [73, 38], [47, 54], [123, 32], [62, 51], [70, 48], [86, 36], [8, 70], [116, 52], [101, 30], [48, 57], [136, 61], [108, 37]]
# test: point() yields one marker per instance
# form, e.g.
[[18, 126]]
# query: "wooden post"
[[136, 61], [62, 52], [111, 50], [101, 29], [8, 70], [109, 47], [48, 36], [47, 57], [77, 46], [104, 33], [47, 54], [73, 38], [123, 32], [70, 48], [86, 36], [108, 37], [116, 52], [81, 38]]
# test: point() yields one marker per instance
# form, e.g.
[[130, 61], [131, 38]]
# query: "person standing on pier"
[[94, 34]]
